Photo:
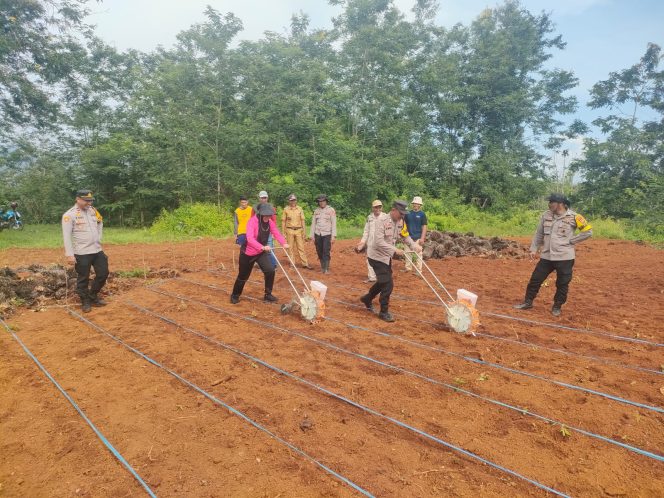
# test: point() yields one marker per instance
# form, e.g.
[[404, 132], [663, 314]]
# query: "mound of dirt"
[[34, 285], [442, 244]]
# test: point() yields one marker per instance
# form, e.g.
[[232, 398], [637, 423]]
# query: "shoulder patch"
[[66, 218]]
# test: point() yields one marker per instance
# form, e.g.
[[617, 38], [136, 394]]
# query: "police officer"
[[556, 236], [324, 231], [294, 227], [368, 235], [81, 230], [389, 229]]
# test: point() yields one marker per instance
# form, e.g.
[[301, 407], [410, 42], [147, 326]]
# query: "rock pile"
[[447, 244]]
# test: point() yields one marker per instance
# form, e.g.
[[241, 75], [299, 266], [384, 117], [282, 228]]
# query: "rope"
[[228, 407], [488, 336], [381, 363], [339, 397], [73, 403]]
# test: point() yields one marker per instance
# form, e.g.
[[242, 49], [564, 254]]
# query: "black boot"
[[555, 310], [86, 306], [269, 283], [96, 301], [238, 287], [386, 316], [235, 299], [525, 305], [366, 300]]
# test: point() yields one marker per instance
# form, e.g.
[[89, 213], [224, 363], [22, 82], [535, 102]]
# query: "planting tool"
[[310, 302]]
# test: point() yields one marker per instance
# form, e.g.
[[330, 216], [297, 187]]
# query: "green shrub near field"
[[202, 219]]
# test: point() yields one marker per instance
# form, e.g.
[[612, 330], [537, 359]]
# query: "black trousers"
[[543, 269], [246, 265], [98, 261], [384, 283], [323, 247]]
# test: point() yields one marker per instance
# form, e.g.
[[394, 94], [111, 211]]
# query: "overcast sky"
[[601, 35]]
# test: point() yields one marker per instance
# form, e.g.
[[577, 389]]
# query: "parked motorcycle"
[[11, 218]]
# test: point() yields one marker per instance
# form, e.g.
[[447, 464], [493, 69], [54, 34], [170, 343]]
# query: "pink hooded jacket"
[[253, 246]]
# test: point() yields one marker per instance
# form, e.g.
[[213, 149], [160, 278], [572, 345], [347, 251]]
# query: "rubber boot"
[[555, 310], [269, 283], [86, 306], [366, 300]]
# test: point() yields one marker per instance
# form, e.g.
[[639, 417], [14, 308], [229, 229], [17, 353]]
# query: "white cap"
[[417, 200], [262, 193]]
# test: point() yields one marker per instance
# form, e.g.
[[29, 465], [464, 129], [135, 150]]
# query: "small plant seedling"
[[483, 377], [565, 431], [459, 381]]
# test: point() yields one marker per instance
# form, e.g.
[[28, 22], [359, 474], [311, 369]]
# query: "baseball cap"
[[292, 197], [85, 194], [321, 197], [376, 203], [262, 193], [401, 206], [417, 200], [557, 198], [243, 197]]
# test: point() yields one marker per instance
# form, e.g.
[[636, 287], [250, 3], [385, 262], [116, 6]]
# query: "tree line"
[[377, 104]]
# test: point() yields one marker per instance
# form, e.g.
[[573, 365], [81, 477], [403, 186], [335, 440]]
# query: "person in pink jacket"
[[256, 250]]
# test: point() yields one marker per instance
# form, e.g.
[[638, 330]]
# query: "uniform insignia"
[[66, 218]]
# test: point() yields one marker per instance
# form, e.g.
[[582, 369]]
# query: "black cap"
[[567, 202], [265, 210], [321, 197], [401, 206], [557, 198], [85, 194], [243, 197]]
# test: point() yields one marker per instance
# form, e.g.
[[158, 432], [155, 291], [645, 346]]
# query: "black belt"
[[294, 228]]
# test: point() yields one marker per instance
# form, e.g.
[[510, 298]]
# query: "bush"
[[202, 219]]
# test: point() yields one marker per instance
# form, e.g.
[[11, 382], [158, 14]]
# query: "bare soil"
[[183, 444]]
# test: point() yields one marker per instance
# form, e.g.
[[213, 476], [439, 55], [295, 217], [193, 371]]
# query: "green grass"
[[517, 224], [46, 236]]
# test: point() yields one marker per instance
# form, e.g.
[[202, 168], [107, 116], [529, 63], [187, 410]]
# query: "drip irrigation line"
[[78, 409], [476, 361], [381, 363], [602, 333], [523, 343], [340, 397], [225, 405], [491, 336]]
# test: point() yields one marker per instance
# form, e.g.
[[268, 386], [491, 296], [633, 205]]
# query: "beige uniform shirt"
[[293, 218], [555, 234], [81, 231], [369, 229], [324, 222], [386, 234]]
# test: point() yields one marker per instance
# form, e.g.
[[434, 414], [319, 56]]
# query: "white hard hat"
[[417, 200]]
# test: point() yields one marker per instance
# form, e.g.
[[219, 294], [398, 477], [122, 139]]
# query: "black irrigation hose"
[[370, 359], [491, 364], [493, 337]]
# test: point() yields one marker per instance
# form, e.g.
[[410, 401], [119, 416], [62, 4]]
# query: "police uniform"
[[293, 225], [367, 238], [81, 232], [323, 229], [387, 233], [556, 236]]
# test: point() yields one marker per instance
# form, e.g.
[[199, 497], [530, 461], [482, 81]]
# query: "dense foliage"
[[379, 104]]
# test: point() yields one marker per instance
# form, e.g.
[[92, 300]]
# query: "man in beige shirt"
[[389, 229], [81, 231], [294, 227], [556, 236], [368, 235], [324, 231]]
